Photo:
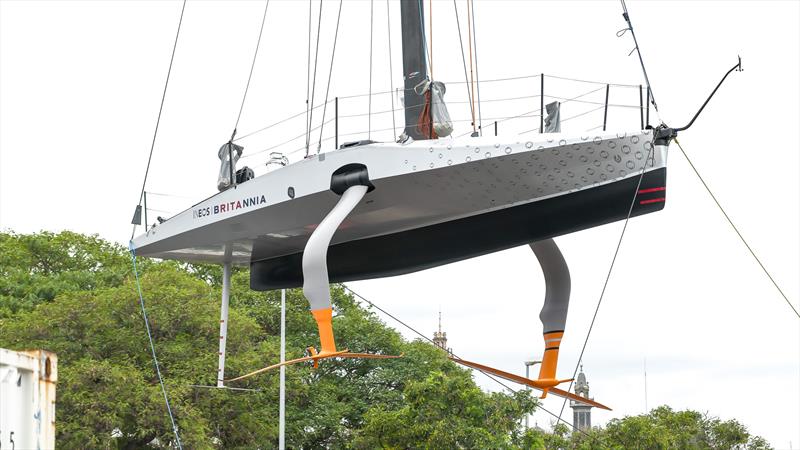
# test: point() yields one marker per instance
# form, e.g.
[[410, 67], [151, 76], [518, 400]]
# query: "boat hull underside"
[[431, 246]]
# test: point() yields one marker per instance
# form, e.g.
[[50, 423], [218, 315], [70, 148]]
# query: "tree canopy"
[[75, 295]]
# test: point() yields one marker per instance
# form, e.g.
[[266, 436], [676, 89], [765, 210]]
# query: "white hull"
[[419, 184]]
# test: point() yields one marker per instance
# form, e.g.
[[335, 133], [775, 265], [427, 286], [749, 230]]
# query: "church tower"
[[440, 337], [581, 412]]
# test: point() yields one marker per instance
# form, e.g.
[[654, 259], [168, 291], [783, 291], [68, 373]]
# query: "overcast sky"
[[80, 85]]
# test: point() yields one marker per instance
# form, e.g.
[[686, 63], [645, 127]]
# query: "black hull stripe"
[[435, 245]]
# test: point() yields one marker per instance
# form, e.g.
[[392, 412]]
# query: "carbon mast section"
[[414, 64]]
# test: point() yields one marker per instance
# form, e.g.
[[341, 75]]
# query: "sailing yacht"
[[376, 209]]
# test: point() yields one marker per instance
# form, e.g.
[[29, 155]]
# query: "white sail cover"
[[227, 152], [552, 124], [442, 124]]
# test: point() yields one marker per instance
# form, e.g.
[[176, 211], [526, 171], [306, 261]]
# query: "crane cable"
[[252, 66], [477, 73], [630, 210], [330, 73], [608, 275], [369, 105], [627, 18], [464, 62], [160, 109], [749, 248], [430, 52], [391, 70], [308, 74], [133, 251], [314, 82], [132, 248], [418, 333], [471, 81], [153, 347]]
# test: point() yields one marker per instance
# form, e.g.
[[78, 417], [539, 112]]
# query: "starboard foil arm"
[[352, 183], [528, 382]]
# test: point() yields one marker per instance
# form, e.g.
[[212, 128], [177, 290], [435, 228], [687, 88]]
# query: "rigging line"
[[431, 341], [504, 119], [588, 102], [391, 70], [430, 25], [477, 74], [521, 77], [494, 80], [252, 66], [426, 57], [283, 143], [161, 211], [278, 123], [539, 110], [168, 195], [463, 58], [308, 72], [568, 118], [610, 270], [750, 249], [572, 99], [387, 111], [638, 52], [152, 346], [369, 107], [330, 73], [471, 82], [314, 82], [160, 108], [583, 113], [593, 82]]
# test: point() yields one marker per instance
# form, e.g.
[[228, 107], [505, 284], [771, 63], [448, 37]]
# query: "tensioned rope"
[[464, 61], [314, 82], [499, 119], [160, 108], [471, 81], [308, 73], [275, 124], [330, 73], [153, 347], [477, 73], [430, 26], [418, 333], [252, 66], [391, 70], [638, 52], [426, 57], [749, 248], [132, 249], [610, 270], [369, 107]]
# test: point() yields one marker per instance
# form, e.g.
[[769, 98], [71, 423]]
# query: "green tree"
[[34, 268], [443, 409], [108, 392], [664, 428]]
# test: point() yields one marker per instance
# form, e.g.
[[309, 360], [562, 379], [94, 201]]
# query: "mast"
[[415, 68]]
